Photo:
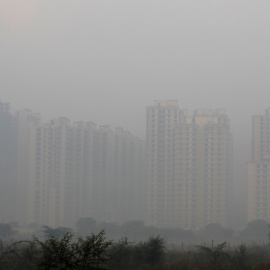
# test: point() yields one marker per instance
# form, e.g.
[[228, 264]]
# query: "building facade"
[[259, 169], [162, 118], [66, 171], [7, 164], [189, 166], [25, 125]]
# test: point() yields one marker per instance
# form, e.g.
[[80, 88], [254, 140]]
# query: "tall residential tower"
[[79, 170], [259, 169], [189, 166]]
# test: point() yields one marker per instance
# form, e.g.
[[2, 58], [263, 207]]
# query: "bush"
[[90, 252]]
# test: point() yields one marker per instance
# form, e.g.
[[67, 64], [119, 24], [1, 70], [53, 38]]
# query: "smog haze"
[[106, 61]]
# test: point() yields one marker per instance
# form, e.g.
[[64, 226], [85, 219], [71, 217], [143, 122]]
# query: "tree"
[[65, 254], [121, 254], [151, 252], [155, 250], [216, 254], [240, 258], [18, 255], [256, 229]]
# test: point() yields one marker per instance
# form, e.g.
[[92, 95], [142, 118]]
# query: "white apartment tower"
[[259, 169], [67, 171], [189, 166], [25, 130], [50, 173], [55, 173], [162, 119], [7, 165]]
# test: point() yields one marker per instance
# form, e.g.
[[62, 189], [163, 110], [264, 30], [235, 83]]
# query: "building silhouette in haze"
[[189, 166], [259, 169]]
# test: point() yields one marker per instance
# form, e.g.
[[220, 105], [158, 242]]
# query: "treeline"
[[256, 231], [68, 252]]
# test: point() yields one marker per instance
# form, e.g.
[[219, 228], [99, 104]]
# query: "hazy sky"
[[105, 61]]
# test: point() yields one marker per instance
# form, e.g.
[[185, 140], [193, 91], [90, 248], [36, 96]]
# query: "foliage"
[[127, 255], [216, 254], [151, 252], [18, 255], [256, 229], [85, 253], [94, 252], [154, 250], [121, 254], [240, 257]]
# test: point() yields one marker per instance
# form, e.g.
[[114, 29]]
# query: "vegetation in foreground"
[[60, 249]]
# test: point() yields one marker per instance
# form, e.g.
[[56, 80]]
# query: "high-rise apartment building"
[[259, 169], [55, 173], [51, 178], [67, 171], [162, 118], [118, 192], [84, 168], [127, 191], [25, 126], [7, 164], [189, 166]]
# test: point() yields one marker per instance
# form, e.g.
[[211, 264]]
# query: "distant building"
[[7, 165], [24, 125], [162, 119], [67, 171], [189, 166], [50, 189], [109, 167], [55, 173], [259, 169]]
